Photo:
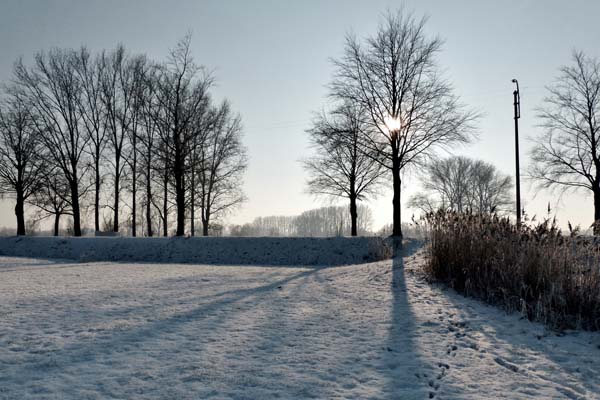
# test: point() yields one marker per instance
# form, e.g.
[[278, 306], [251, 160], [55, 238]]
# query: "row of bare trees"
[[143, 139]]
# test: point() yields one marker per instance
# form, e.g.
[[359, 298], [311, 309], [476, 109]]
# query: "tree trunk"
[[134, 204], [149, 231], [397, 227], [353, 215], [97, 194], [148, 201], [75, 205], [192, 204], [192, 223], [134, 189], [206, 217], [596, 190], [205, 228], [180, 200], [165, 208], [56, 223], [20, 213], [117, 190]]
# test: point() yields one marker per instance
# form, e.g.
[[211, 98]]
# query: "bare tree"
[[118, 95], [147, 136], [491, 190], [567, 154], [182, 93], [221, 166], [158, 156], [53, 92], [206, 121], [341, 168], [22, 165], [423, 202], [139, 67], [90, 72], [164, 172], [463, 184], [394, 75], [53, 199]]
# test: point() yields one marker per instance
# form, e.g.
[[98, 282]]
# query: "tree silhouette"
[[341, 168], [23, 167], [394, 75], [567, 154], [463, 184], [53, 92]]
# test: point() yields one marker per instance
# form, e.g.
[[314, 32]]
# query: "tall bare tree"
[[395, 76], [164, 175], [119, 97], [22, 164], [182, 93], [53, 92], [221, 167], [148, 138], [139, 67], [567, 154], [157, 140], [206, 121], [341, 168], [90, 72]]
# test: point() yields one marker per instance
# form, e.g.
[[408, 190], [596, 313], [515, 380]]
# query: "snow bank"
[[204, 250]]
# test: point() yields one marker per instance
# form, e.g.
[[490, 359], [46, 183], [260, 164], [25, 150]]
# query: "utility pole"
[[517, 110]]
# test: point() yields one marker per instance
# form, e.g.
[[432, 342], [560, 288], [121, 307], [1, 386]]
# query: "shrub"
[[536, 270]]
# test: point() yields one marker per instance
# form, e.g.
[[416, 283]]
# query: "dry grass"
[[536, 270]]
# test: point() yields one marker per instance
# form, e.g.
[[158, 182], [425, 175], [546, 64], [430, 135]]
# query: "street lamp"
[[517, 111]]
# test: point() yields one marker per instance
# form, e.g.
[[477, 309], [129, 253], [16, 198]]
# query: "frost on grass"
[[125, 330], [203, 250]]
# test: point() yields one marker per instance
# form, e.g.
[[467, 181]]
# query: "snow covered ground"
[[202, 250], [134, 330]]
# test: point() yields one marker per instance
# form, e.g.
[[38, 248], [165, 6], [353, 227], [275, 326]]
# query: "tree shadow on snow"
[[85, 352], [568, 364], [37, 264], [407, 374]]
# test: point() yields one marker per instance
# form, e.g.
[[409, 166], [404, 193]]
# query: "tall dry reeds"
[[536, 270]]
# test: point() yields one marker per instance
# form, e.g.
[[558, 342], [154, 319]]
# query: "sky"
[[272, 60]]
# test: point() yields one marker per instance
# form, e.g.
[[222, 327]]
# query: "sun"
[[392, 124]]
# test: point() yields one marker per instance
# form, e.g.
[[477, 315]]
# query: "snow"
[[96, 330], [202, 250]]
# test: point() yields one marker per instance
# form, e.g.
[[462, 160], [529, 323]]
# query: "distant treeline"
[[320, 222]]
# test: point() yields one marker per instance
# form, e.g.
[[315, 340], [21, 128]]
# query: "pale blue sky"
[[271, 59]]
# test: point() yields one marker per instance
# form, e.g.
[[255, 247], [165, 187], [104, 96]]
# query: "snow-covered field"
[[202, 250], [133, 330]]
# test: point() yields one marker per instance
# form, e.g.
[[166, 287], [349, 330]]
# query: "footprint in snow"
[[510, 366], [452, 350]]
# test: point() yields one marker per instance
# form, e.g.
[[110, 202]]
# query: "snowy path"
[[109, 330]]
